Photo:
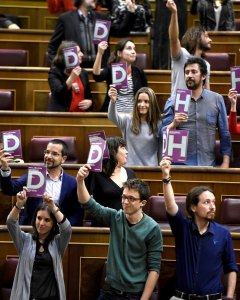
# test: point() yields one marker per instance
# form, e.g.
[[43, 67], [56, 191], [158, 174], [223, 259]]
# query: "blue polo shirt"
[[201, 259]]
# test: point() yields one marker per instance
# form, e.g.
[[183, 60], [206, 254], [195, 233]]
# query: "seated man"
[[61, 186], [135, 248]]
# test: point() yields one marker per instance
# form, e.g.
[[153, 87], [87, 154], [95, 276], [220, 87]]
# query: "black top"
[[43, 281], [61, 97], [105, 191]]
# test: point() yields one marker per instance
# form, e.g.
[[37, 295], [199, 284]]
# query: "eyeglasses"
[[129, 198], [54, 154]]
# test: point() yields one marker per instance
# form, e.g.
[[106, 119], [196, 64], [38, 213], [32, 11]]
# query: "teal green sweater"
[[133, 250]]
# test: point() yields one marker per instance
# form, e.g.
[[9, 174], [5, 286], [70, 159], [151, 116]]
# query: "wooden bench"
[[35, 41], [32, 88]]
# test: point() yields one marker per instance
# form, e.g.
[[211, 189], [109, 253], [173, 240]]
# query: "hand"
[[165, 164], [49, 201], [232, 96], [13, 26], [171, 6], [85, 104], [102, 46], [75, 73], [5, 158], [112, 93], [179, 118], [131, 5], [22, 197], [83, 172]]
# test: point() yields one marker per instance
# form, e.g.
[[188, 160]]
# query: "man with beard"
[[207, 112], [135, 246], [204, 250], [61, 186], [194, 42], [78, 26]]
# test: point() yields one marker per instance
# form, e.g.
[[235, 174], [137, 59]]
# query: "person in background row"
[[106, 187], [78, 25], [59, 184], [142, 15], [39, 273], [207, 113], [59, 6], [194, 42], [10, 21], [234, 127], [214, 14], [140, 128], [204, 251], [135, 247], [70, 90], [125, 51]]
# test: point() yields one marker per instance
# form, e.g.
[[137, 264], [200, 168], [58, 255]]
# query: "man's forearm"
[[150, 285]]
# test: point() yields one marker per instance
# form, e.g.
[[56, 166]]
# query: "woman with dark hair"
[[70, 90], [39, 274], [140, 128], [107, 186], [125, 51], [214, 14]]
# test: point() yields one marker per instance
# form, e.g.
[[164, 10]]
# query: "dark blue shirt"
[[201, 259]]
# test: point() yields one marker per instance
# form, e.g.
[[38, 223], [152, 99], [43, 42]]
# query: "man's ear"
[[64, 158], [193, 208], [144, 202]]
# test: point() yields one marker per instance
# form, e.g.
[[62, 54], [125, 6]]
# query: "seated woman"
[[107, 186], [214, 14], [39, 274], [125, 51], [70, 90], [140, 128], [234, 127]]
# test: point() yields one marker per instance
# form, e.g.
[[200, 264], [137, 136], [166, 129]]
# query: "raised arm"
[[21, 199], [83, 194], [175, 46], [102, 46], [170, 203], [54, 209]]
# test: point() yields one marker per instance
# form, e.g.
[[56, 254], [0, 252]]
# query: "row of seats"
[[19, 57], [38, 145], [229, 211]]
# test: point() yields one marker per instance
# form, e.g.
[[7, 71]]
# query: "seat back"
[[237, 24], [39, 143], [7, 277], [218, 61], [230, 212], [155, 208], [7, 100], [141, 61], [13, 57]]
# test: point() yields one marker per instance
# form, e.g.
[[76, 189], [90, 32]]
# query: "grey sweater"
[[144, 149], [26, 248]]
